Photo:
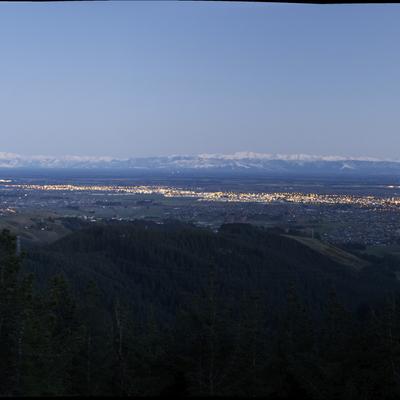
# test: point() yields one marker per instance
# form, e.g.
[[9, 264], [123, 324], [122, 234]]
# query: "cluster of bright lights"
[[228, 196], [7, 210]]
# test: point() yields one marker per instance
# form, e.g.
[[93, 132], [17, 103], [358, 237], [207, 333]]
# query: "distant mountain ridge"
[[248, 162]]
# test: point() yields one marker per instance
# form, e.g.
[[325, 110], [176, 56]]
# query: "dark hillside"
[[145, 263], [144, 309]]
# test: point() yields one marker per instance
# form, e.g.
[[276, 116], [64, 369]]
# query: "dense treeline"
[[142, 309]]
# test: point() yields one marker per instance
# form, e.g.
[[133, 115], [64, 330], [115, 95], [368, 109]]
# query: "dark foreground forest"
[[143, 309]]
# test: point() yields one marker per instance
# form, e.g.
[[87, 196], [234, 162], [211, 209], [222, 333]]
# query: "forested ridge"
[[145, 309]]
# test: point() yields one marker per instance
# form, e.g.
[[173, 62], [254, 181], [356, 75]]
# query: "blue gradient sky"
[[139, 79]]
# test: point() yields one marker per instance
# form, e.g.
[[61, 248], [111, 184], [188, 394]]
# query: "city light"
[[228, 196]]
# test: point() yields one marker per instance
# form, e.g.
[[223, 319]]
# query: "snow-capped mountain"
[[248, 162]]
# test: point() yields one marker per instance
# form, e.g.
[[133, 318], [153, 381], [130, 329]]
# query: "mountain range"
[[241, 162]]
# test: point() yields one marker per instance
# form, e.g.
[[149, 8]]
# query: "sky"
[[133, 79]]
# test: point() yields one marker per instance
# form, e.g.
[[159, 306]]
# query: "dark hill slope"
[[147, 264]]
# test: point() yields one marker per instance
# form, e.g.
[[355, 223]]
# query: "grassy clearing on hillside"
[[333, 252]]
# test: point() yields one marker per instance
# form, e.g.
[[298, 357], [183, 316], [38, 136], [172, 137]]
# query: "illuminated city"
[[225, 196], [336, 212]]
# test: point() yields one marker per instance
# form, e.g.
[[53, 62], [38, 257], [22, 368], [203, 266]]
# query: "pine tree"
[[66, 339], [295, 362], [205, 341], [97, 341], [15, 299], [250, 365]]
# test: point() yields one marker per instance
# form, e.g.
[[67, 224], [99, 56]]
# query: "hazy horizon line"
[[219, 155]]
